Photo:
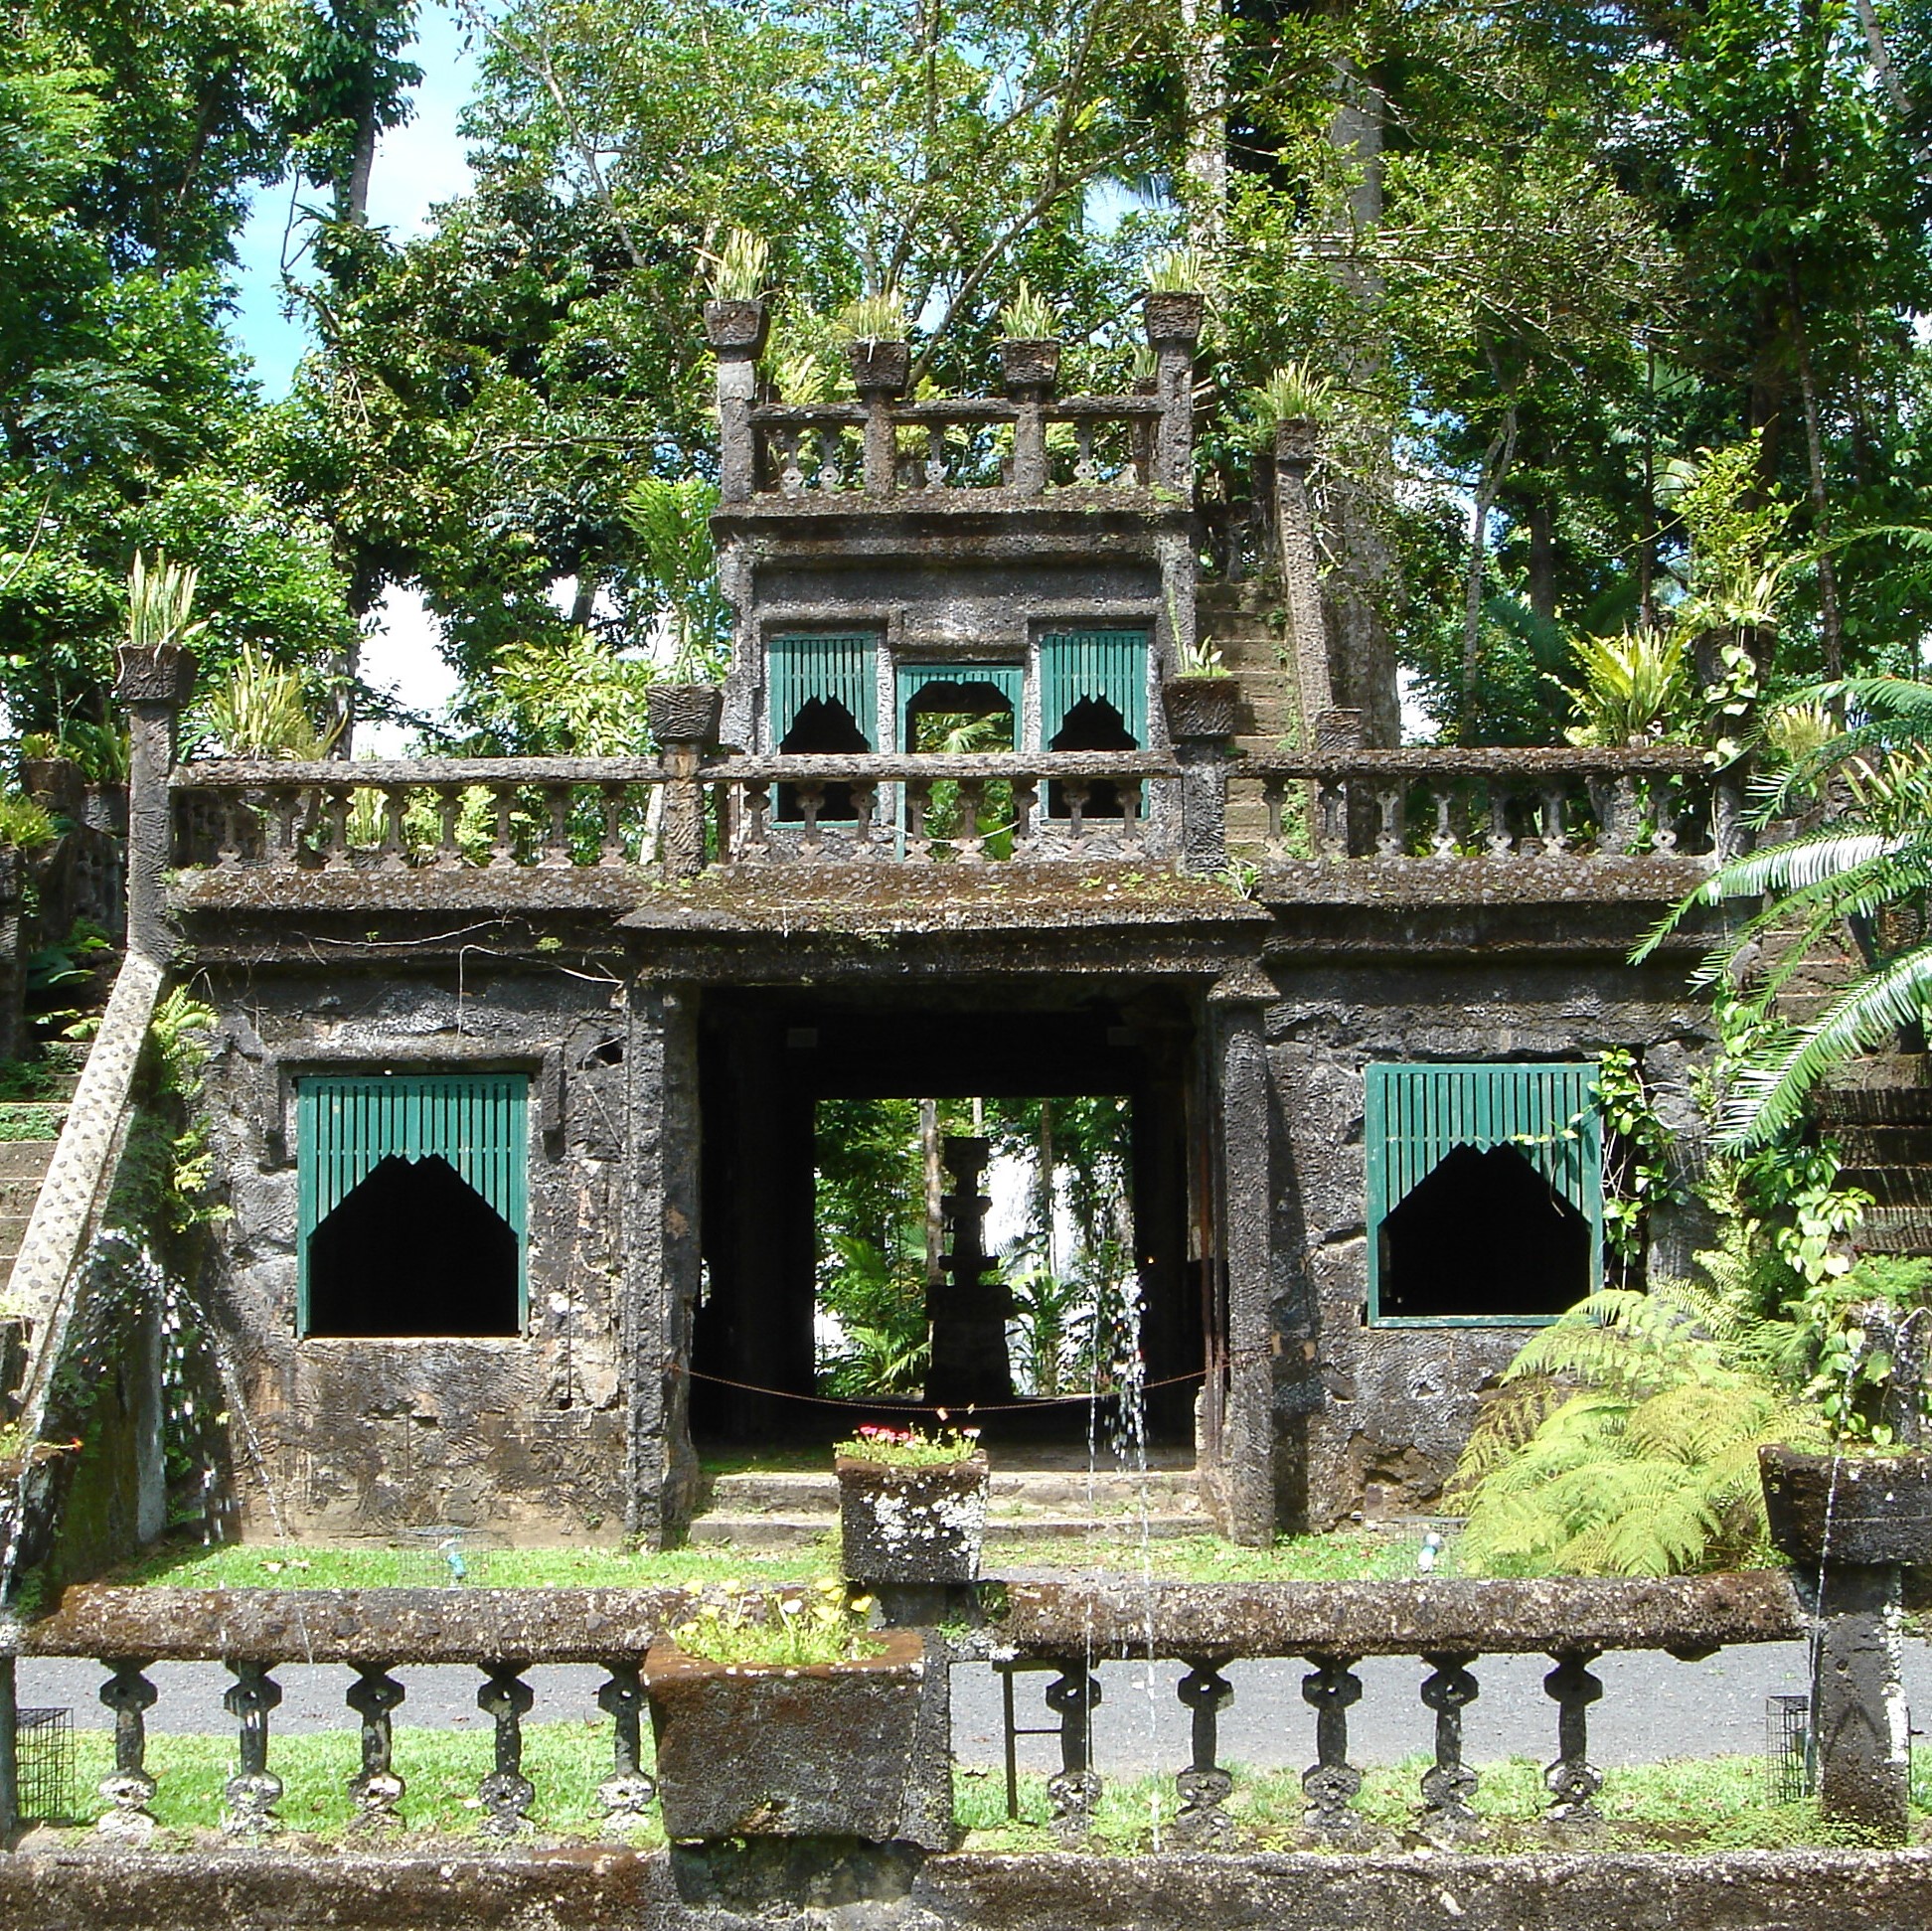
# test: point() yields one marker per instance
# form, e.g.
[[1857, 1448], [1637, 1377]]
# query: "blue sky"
[[416, 165]]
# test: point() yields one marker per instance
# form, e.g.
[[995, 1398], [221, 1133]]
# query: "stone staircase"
[[794, 1508], [1244, 623], [1879, 1112], [28, 1132]]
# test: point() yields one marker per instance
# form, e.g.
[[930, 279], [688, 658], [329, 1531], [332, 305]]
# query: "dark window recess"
[[412, 1250], [824, 728], [1483, 1233], [1093, 724]]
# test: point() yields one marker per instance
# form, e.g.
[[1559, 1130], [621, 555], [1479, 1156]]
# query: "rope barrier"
[[946, 1411]]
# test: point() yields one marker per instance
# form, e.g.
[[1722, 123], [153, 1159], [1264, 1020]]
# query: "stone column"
[[1243, 1473], [968, 1314], [1860, 1726], [661, 1256], [154, 686], [1173, 328], [1200, 726], [737, 334], [1301, 586]]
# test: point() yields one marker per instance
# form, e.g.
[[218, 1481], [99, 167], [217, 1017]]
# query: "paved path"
[[1653, 1706]]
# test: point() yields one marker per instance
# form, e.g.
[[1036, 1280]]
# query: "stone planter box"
[[911, 1525], [1173, 318], [1200, 707], [879, 368], [736, 325], [1864, 1509], [684, 714], [1030, 363], [848, 1750]]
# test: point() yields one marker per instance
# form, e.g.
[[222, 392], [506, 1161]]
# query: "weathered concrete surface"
[[604, 1889], [355, 1625], [1233, 1619]]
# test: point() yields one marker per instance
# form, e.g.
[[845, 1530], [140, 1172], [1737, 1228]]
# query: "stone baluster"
[[1331, 818], [1663, 811], [1330, 1782], [255, 1790], [1572, 1781], [1086, 473], [1391, 833], [828, 458], [1076, 792], [968, 842], [935, 461], [337, 800], [1074, 1789], [864, 816], [791, 477], [506, 1791], [1500, 839], [1026, 812], [1448, 1689], [555, 855], [627, 1792], [1029, 448], [1555, 839], [1442, 837], [1128, 791], [392, 856], [755, 802], [285, 806], [129, 1790], [810, 801], [1274, 802], [229, 809], [1203, 1786], [1620, 818], [375, 1789], [449, 816], [610, 846], [503, 837], [918, 802], [1727, 829]]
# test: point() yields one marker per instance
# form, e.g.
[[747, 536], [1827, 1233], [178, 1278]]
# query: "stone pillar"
[[968, 1314], [737, 334], [1242, 1478], [1301, 585], [661, 1256], [13, 958], [154, 686], [1860, 1726], [1200, 726], [1173, 328]]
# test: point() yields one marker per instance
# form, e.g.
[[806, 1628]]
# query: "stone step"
[[1884, 1143], [1902, 1186], [13, 1231], [803, 1531], [25, 1159], [17, 1194], [1067, 1491], [1895, 1231]]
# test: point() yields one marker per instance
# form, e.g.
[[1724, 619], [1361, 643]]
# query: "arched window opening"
[[413, 1250], [823, 728], [1483, 1234], [1093, 724]]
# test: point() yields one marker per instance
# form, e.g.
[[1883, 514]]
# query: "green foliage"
[[671, 522], [741, 269], [879, 317], [262, 711], [796, 1626], [910, 1447], [25, 823], [1639, 1172], [1029, 316], [1180, 272], [1636, 688]]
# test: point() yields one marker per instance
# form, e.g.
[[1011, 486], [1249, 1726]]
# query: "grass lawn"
[[1715, 1803]]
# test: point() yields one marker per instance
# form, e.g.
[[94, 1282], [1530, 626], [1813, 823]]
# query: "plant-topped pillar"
[[683, 720], [1851, 1523], [735, 331], [880, 371], [968, 1313], [1300, 583], [1201, 714], [154, 685]]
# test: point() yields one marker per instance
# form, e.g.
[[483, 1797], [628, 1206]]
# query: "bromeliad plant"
[[794, 1628]]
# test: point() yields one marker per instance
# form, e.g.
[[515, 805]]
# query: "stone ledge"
[[593, 1889]]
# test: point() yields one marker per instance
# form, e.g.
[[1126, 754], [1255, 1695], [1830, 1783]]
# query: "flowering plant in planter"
[[783, 1717], [912, 1505]]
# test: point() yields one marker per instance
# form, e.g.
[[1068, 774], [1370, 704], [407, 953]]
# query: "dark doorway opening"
[[1093, 724], [769, 1068], [824, 728], [413, 1250], [1483, 1234]]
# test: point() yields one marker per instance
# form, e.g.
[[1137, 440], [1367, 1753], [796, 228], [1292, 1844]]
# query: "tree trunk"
[[1542, 561], [1830, 622], [1496, 465], [1205, 71], [935, 1188]]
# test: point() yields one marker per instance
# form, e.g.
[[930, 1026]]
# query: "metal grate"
[[1789, 1764], [45, 1741]]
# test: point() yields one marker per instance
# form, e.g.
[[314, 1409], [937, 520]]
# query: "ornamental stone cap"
[[163, 675]]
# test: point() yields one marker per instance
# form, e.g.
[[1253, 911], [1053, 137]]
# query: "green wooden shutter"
[[1414, 1115], [1108, 665], [1007, 679], [836, 669], [345, 1125]]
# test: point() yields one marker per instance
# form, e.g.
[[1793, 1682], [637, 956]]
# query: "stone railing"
[[883, 448], [1081, 805], [1437, 805], [448, 813], [1067, 1628]]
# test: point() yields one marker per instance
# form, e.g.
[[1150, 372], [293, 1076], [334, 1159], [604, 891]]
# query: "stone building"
[[516, 1070]]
